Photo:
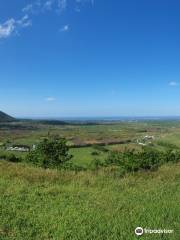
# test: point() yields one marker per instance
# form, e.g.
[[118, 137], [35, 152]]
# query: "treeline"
[[100, 144], [147, 159]]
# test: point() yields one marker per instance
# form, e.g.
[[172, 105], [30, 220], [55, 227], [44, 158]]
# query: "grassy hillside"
[[48, 204]]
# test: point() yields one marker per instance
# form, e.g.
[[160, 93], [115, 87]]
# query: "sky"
[[87, 58]]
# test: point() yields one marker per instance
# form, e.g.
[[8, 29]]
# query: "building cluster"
[[18, 148], [145, 140]]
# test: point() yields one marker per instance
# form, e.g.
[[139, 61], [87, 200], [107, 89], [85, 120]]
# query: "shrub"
[[95, 153], [12, 158], [147, 159], [100, 148], [127, 160], [150, 159], [50, 152], [73, 167], [172, 155], [2, 156], [96, 164]]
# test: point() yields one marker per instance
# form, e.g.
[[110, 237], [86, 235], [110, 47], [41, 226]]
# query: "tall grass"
[[48, 204]]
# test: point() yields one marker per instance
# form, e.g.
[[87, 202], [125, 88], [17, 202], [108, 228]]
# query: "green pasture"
[[37, 204], [83, 156]]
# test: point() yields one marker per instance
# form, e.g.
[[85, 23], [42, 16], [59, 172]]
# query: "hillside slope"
[[48, 204], [5, 117]]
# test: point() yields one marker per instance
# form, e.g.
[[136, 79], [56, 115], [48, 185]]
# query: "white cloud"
[[40, 6], [28, 8], [65, 28], [48, 5], [173, 84], [24, 21], [12, 26], [81, 3], [50, 99], [35, 7], [62, 5], [85, 1], [7, 28]]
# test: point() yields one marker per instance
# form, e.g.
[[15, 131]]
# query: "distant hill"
[[51, 122], [5, 117]]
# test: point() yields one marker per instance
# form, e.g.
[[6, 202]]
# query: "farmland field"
[[38, 203], [114, 135]]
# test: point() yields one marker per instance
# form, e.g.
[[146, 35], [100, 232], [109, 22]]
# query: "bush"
[[13, 158], [73, 167], [150, 159], [10, 157], [147, 159], [3, 156], [172, 155], [95, 153], [96, 164], [127, 160], [100, 148], [50, 152]]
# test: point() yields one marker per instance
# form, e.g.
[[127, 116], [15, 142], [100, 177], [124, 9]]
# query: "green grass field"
[[83, 156], [49, 204], [38, 204]]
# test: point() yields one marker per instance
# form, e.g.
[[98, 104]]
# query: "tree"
[[51, 152]]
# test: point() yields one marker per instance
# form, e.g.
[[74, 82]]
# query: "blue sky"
[[62, 58]]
